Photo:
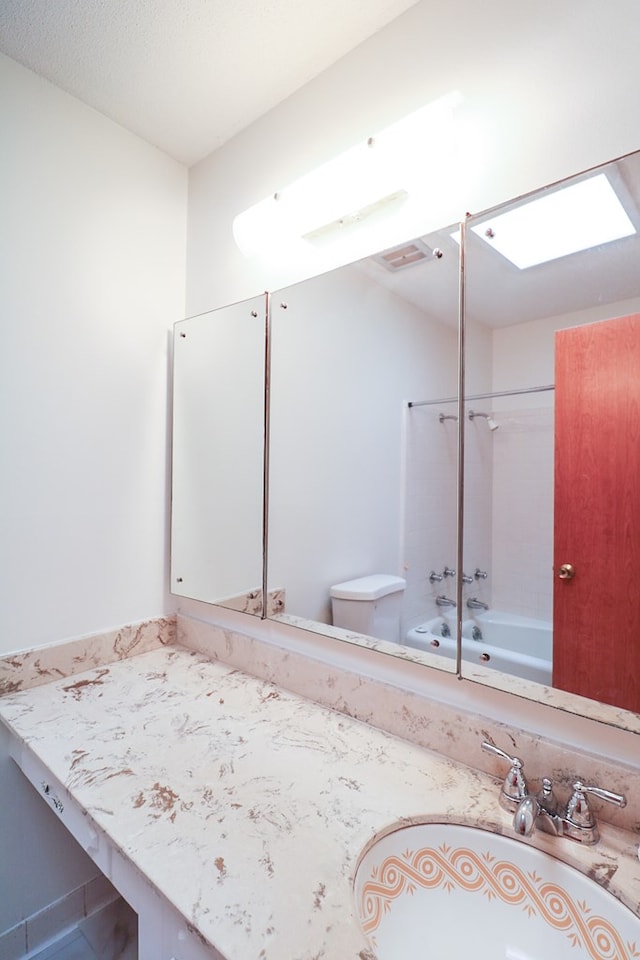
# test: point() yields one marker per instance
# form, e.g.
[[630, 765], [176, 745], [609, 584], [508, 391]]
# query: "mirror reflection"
[[552, 505], [362, 490], [364, 439], [218, 447]]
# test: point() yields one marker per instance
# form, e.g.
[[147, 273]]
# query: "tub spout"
[[474, 604], [442, 601]]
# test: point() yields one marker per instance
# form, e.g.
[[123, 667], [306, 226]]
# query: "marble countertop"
[[248, 807]]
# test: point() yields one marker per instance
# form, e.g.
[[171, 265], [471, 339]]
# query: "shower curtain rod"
[[482, 396]]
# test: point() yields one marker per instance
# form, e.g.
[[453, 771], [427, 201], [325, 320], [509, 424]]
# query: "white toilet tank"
[[369, 605]]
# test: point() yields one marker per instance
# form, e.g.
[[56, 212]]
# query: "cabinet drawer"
[[163, 934]]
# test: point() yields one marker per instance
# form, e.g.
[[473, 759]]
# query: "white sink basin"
[[446, 891]]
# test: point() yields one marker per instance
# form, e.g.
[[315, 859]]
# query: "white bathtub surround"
[[522, 509], [430, 499], [518, 646], [247, 807], [19, 671]]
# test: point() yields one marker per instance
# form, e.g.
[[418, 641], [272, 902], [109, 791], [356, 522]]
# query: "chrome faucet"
[[577, 821], [445, 602], [474, 604]]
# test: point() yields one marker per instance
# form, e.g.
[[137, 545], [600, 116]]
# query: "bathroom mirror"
[[361, 484], [363, 451], [552, 503], [218, 450]]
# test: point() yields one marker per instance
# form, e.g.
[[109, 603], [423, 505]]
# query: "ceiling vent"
[[405, 256]]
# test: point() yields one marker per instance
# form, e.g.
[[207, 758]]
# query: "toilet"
[[369, 605]]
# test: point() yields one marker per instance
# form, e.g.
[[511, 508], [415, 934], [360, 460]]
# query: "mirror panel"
[[361, 482], [218, 449], [547, 467]]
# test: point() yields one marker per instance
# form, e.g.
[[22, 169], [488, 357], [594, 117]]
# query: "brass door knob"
[[567, 571]]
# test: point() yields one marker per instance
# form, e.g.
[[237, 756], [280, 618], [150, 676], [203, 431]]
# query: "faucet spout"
[[524, 819], [531, 814]]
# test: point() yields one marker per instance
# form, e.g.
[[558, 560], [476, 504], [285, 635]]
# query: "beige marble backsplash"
[[437, 726], [31, 668], [251, 602]]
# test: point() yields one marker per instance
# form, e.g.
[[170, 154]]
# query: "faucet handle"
[[514, 788], [578, 809], [618, 798]]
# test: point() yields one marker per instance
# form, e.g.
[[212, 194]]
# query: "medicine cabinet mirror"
[[364, 440], [361, 484], [218, 455]]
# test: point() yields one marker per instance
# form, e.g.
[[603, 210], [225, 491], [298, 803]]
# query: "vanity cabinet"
[[163, 933]]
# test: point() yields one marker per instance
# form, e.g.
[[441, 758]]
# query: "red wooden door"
[[596, 620]]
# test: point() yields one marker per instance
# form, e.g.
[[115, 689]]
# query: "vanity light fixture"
[[574, 218], [375, 183]]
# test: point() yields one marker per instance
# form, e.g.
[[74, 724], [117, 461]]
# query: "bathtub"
[[521, 646]]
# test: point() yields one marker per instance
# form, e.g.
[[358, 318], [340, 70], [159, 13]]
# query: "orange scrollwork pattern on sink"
[[461, 868]]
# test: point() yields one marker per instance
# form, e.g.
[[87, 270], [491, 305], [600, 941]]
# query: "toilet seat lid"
[[368, 588]]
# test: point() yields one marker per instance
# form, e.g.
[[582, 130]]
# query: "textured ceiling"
[[186, 75]]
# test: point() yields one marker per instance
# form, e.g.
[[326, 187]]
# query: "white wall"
[[531, 76], [92, 276], [431, 497], [92, 235]]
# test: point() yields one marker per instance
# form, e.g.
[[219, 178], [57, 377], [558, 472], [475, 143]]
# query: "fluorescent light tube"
[[383, 177]]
